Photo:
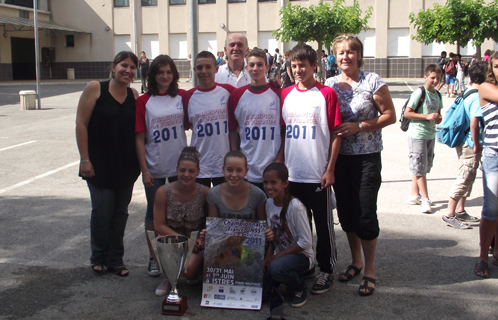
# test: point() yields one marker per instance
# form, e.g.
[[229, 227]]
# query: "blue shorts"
[[450, 79], [490, 184]]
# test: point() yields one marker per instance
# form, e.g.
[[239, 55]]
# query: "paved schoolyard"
[[424, 268]]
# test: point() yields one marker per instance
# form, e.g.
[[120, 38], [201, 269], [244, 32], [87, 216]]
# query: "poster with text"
[[233, 264]]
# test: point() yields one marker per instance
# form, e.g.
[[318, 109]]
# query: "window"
[[206, 1], [121, 3], [173, 2], [69, 41], [23, 14], [148, 3], [235, 1], [21, 3]]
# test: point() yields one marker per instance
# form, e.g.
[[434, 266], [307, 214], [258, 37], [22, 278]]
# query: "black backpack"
[[405, 122]]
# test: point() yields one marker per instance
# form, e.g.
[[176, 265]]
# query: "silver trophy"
[[172, 252]]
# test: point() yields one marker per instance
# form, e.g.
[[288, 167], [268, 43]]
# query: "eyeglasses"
[[345, 38]]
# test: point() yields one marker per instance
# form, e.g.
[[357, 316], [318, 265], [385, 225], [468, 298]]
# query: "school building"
[[84, 35]]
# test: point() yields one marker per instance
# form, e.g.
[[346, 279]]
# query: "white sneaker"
[[413, 200], [164, 288], [455, 223], [426, 206]]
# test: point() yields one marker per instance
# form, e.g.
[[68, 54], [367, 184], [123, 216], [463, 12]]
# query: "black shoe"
[[323, 283], [300, 298], [153, 268]]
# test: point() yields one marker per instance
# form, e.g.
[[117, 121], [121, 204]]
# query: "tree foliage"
[[321, 23], [458, 21]]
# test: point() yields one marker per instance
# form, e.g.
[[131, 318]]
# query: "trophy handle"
[[191, 242], [153, 241]]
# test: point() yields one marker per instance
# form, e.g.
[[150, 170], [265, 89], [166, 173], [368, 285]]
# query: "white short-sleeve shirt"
[[256, 115], [208, 116]]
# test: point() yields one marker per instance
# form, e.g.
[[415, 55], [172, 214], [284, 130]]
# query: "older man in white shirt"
[[234, 71]]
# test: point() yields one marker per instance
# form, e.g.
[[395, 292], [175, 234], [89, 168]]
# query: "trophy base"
[[174, 308]]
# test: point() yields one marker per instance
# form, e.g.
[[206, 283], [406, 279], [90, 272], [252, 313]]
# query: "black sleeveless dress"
[[111, 141]]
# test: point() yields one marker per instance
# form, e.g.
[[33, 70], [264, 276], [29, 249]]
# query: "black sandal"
[[369, 290], [95, 267], [481, 267], [346, 276], [120, 271]]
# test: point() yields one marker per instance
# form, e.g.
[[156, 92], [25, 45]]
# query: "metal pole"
[[193, 37], [37, 54], [134, 24]]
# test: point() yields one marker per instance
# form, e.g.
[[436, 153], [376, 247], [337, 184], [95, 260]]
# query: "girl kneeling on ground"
[[290, 254], [180, 208]]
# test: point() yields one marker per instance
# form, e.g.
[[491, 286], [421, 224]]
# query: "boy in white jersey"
[[310, 112], [254, 115], [206, 109]]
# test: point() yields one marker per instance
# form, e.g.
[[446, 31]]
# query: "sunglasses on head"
[[345, 38]]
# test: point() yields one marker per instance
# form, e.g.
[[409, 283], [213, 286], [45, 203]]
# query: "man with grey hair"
[[233, 72]]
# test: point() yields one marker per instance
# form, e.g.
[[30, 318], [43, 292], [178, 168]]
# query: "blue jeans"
[[490, 184], [150, 194], [108, 223], [287, 270]]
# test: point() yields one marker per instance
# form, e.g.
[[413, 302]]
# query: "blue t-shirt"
[[472, 110], [330, 62]]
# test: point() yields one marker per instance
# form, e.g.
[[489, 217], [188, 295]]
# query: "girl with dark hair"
[[236, 198], [144, 68], [105, 122], [290, 254], [180, 208], [160, 135]]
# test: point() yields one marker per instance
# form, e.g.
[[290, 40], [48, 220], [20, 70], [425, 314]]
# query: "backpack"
[[450, 68], [466, 70], [456, 125], [405, 122], [270, 60]]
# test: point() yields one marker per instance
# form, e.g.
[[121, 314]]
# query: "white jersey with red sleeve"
[[308, 116], [256, 115], [161, 118], [208, 115]]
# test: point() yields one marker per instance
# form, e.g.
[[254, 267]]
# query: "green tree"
[[458, 21], [321, 23]]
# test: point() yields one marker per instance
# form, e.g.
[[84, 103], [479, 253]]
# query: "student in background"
[[422, 136]]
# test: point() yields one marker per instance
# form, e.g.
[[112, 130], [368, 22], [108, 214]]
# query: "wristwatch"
[[360, 126]]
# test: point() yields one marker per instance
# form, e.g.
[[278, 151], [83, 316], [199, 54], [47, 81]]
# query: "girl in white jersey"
[[290, 254], [160, 135]]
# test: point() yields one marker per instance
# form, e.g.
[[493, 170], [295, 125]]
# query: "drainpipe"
[[134, 23], [37, 53], [193, 37]]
